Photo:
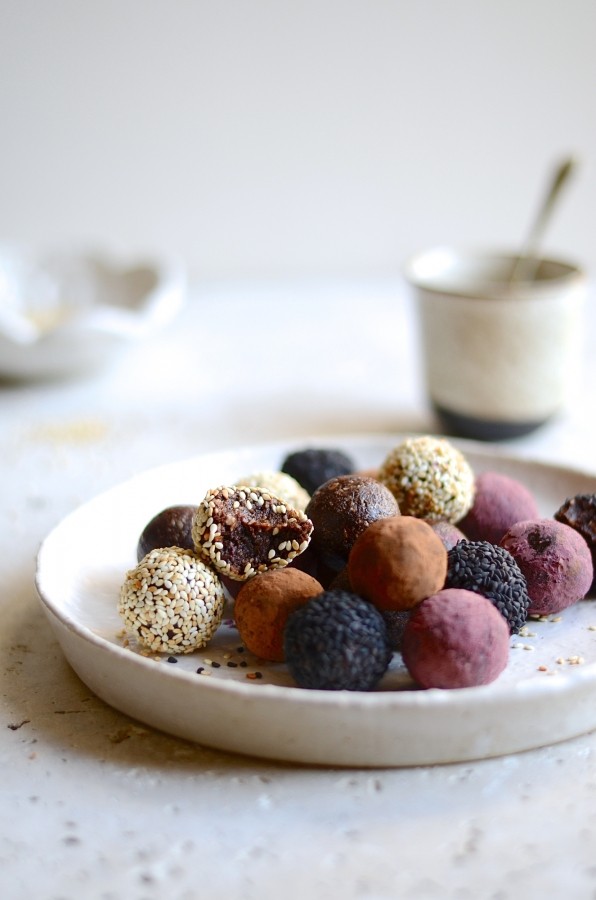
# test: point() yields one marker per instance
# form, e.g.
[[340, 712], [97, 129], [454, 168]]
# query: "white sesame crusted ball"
[[242, 530], [430, 479], [172, 602], [280, 485]]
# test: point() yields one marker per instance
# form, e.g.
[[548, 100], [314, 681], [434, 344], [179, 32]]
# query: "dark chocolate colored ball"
[[341, 509], [314, 466], [169, 528]]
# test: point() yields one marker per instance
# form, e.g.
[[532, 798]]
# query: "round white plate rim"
[[389, 702]]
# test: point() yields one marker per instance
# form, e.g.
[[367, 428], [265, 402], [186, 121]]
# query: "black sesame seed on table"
[[492, 571], [314, 466]]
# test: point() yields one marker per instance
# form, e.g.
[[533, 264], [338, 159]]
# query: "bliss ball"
[[491, 571], [499, 502], [341, 581], [263, 605], [450, 534], [579, 512], [337, 642], [430, 479], [242, 530], [280, 485], [341, 509], [455, 639], [555, 560], [397, 562], [171, 602], [172, 527], [314, 466], [395, 622]]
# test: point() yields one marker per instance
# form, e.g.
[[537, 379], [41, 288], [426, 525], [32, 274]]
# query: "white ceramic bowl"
[[65, 313]]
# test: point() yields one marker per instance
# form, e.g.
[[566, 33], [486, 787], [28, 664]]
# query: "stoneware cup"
[[499, 356]]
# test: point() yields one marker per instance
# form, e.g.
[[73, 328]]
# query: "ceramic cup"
[[499, 357]]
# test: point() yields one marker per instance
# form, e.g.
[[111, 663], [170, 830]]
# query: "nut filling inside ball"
[[244, 530]]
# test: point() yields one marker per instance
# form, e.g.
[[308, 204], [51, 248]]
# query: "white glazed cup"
[[499, 357]]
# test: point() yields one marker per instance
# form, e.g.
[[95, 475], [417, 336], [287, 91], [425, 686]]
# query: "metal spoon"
[[526, 264]]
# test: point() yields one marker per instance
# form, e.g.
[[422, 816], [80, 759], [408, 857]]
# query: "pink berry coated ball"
[[455, 639]]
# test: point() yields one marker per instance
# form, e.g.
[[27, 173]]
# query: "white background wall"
[[294, 137]]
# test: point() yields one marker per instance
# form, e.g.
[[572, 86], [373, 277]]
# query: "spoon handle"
[[525, 264]]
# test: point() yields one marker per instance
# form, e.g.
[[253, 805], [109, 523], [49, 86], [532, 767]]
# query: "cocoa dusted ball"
[[263, 605], [397, 562], [172, 527], [499, 502], [341, 509], [455, 639]]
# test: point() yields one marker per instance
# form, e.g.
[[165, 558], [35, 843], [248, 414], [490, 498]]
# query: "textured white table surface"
[[94, 805]]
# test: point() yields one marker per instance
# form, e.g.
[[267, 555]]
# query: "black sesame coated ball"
[[314, 466], [337, 641], [490, 570]]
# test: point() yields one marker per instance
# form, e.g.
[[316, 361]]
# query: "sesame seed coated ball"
[[171, 602], [242, 530], [280, 485], [490, 570], [430, 479], [337, 642]]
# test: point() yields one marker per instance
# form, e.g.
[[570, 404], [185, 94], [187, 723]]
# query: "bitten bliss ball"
[[242, 530], [171, 602], [430, 479], [455, 639]]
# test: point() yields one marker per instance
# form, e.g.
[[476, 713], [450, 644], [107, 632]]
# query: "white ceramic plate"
[[546, 694]]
